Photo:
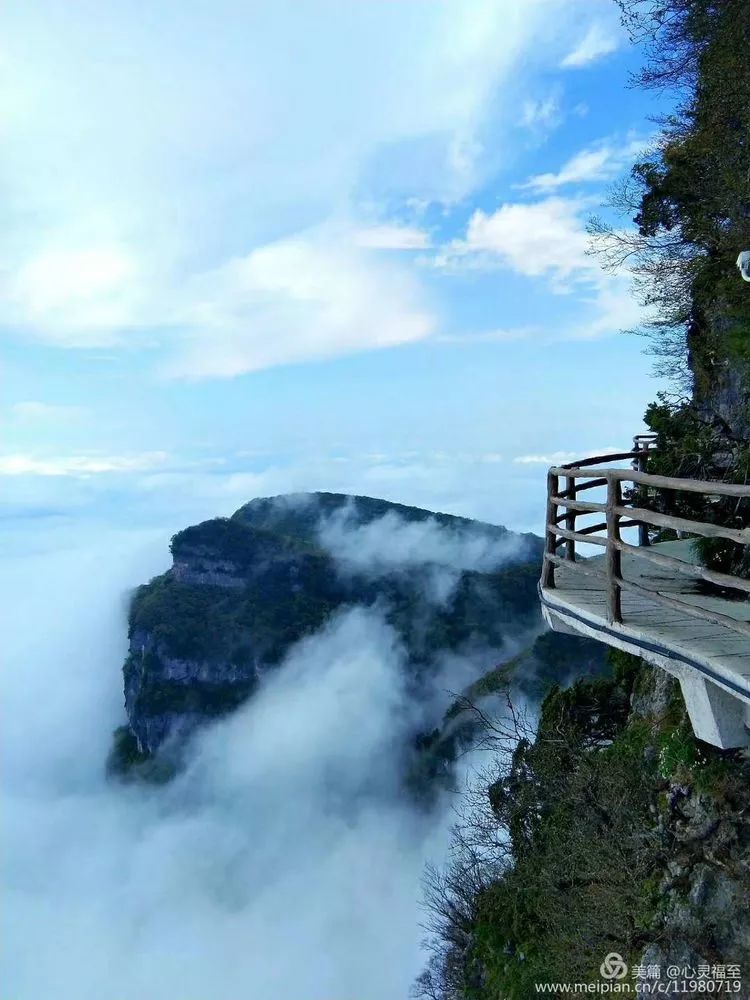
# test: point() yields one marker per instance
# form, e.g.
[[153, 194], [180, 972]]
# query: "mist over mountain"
[[282, 861], [459, 596], [291, 827], [321, 746]]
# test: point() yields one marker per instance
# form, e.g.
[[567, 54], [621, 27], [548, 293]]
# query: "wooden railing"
[[562, 532]]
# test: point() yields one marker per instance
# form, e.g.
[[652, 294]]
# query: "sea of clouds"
[[285, 862]]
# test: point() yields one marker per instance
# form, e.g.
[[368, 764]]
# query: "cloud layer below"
[[284, 863]]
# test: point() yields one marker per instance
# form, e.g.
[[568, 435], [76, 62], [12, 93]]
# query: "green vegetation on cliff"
[[295, 516], [277, 603], [553, 660], [243, 590], [589, 836], [689, 198], [215, 624]]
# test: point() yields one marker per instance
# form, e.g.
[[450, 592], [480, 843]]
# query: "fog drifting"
[[284, 864], [389, 544]]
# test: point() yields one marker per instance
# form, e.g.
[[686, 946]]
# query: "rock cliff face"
[[703, 916], [609, 828], [721, 382], [242, 590]]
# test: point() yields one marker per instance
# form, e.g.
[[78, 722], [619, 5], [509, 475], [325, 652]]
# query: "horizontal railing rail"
[[634, 511], [709, 488]]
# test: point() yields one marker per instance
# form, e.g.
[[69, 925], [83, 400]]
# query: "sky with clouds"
[[256, 247]]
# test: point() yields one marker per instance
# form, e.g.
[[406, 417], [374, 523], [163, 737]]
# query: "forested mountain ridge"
[[686, 209], [242, 590]]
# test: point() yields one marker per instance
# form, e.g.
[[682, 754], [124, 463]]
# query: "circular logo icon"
[[614, 966]]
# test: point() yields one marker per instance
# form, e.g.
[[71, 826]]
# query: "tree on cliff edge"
[[690, 196]]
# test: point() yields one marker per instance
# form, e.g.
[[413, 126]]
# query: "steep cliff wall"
[[610, 830]]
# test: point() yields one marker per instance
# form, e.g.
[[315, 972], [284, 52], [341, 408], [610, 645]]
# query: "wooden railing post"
[[614, 556], [550, 537], [570, 519], [610, 582], [640, 465]]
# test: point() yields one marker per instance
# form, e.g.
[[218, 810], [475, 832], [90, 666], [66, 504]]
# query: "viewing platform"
[[654, 600]]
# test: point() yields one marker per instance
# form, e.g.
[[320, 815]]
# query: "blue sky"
[[259, 247]]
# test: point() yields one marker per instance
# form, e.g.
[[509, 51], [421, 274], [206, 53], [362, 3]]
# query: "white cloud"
[[174, 165], [392, 237], [561, 457], [542, 114], [600, 40], [306, 297], [33, 410], [535, 239], [589, 164], [548, 239], [155, 200], [313, 295], [391, 544], [599, 162], [554, 458], [78, 297], [79, 465]]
